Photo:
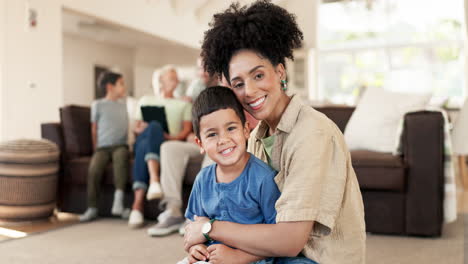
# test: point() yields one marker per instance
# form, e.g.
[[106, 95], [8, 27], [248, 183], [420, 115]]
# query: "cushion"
[[77, 130], [379, 171], [338, 114], [374, 124]]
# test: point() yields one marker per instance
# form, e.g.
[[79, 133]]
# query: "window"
[[407, 46]]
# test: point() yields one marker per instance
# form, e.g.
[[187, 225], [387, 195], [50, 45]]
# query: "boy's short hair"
[[213, 99], [106, 78]]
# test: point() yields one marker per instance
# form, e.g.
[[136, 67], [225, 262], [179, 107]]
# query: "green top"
[[268, 147], [177, 111]]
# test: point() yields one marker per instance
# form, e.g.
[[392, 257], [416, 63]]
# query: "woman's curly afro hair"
[[263, 27]]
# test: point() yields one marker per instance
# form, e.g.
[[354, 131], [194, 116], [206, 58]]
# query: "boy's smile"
[[223, 137]]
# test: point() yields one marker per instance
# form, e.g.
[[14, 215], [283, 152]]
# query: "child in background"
[[109, 129]]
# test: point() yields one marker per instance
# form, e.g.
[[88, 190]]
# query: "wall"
[[32, 74], [2, 50], [31, 86], [79, 57], [148, 59]]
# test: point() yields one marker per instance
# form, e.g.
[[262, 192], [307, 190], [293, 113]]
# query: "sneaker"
[[182, 227], [90, 214], [170, 225], [126, 213], [136, 219], [154, 191], [117, 204]]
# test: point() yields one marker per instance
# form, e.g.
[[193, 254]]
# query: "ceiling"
[[202, 11], [102, 31]]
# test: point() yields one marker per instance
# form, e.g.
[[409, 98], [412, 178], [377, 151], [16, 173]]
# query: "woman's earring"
[[284, 85]]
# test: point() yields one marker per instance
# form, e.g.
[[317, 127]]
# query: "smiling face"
[[223, 137], [257, 85]]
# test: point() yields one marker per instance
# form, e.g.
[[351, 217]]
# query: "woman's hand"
[[198, 253], [191, 138], [140, 126], [193, 232]]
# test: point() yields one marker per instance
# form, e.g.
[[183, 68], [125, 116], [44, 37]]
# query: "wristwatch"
[[206, 228]]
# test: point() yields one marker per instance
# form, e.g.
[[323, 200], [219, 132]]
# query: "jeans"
[[147, 147], [294, 260], [286, 260]]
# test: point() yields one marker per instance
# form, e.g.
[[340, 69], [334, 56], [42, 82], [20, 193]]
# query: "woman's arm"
[[281, 239], [186, 129], [140, 126]]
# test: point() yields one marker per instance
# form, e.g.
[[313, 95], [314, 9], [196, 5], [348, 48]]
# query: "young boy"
[[238, 187], [109, 127]]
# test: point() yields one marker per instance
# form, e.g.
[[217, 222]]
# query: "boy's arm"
[[198, 252], [220, 253], [94, 134]]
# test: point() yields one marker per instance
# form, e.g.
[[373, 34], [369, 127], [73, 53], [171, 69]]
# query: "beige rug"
[[110, 241]]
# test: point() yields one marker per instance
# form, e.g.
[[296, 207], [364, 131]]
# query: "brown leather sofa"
[[73, 136], [402, 194]]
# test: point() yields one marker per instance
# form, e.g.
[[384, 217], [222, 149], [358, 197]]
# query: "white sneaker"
[[135, 219], [154, 191], [117, 204], [117, 209], [170, 225], [90, 214], [126, 213]]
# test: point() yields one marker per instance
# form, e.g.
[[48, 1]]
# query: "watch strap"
[[208, 238]]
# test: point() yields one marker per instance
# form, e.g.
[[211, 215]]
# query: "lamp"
[[460, 141]]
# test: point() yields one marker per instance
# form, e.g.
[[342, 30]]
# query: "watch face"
[[206, 228]]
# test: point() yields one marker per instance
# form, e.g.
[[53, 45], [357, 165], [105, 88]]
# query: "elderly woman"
[[150, 136]]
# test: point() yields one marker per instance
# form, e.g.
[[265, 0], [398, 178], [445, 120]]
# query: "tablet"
[[155, 113]]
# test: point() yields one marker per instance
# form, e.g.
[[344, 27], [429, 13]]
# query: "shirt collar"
[[288, 118]]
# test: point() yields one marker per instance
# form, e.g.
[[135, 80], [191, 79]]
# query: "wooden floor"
[[9, 230]]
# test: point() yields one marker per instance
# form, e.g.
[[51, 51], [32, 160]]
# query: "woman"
[[149, 139], [320, 212]]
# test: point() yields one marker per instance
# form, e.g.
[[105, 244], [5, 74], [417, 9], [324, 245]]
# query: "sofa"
[[73, 136], [402, 194]]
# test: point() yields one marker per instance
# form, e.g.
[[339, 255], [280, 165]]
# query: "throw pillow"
[[374, 124]]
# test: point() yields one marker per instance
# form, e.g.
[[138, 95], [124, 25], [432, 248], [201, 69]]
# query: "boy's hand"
[[193, 232], [198, 253], [220, 254]]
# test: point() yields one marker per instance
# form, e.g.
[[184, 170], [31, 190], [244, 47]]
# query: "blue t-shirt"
[[249, 199]]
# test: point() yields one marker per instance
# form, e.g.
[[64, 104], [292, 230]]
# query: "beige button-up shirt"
[[317, 183]]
